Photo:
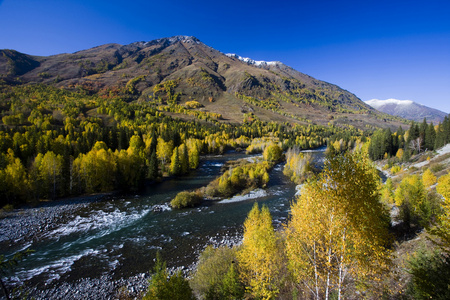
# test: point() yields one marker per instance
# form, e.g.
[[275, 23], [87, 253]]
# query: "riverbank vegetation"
[[56, 142], [239, 177], [322, 250], [349, 236], [298, 165]]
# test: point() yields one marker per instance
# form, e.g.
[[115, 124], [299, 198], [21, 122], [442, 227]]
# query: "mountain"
[[408, 109], [182, 69]]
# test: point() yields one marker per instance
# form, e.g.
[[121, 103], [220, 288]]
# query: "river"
[[120, 235]]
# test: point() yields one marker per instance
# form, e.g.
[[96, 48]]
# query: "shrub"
[[216, 276], [193, 104], [430, 275], [186, 199], [395, 169], [163, 286], [437, 168], [8, 207], [272, 153]]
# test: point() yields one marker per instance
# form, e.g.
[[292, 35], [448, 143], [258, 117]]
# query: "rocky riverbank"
[[20, 227], [92, 288]]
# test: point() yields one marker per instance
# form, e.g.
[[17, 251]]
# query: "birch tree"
[[442, 229], [260, 257], [338, 228]]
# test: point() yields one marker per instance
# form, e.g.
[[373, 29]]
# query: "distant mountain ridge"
[[408, 109], [227, 84]]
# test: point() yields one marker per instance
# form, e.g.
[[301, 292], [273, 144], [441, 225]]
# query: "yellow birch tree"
[[442, 229], [338, 228], [260, 256], [428, 178]]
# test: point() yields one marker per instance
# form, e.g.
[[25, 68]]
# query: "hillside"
[[181, 69], [408, 109]]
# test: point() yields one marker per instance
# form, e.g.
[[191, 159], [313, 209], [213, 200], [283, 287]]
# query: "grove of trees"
[[56, 142]]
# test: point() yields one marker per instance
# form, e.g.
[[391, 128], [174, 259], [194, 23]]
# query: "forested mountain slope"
[[181, 69]]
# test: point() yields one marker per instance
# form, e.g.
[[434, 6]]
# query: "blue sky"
[[374, 49]]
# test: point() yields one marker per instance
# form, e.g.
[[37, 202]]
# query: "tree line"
[[404, 143], [56, 142]]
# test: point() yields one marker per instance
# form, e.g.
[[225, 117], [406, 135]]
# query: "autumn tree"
[[184, 158], [387, 192], [428, 178], [164, 286], [414, 202], [95, 171], [336, 224], [14, 183], [298, 165], [442, 229], [194, 157], [216, 276], [49, 168], [152, 161], [260, 256], [175, 162], [272, 152], [164, 150]]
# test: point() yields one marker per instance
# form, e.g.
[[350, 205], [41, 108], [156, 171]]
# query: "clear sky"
[[374, 49]]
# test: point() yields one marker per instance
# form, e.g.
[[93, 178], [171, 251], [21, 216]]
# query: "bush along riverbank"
[[239, 177]]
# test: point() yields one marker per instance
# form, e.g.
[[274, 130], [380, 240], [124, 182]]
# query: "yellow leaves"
[[443, 187], [193, 104], [164, 150], [442, 229], [96, 169], [387, 195], [336, 223], [298, 165], [272, 152], [260, 256], [428, 178], [395, 169], [258, 145], [49, 167]]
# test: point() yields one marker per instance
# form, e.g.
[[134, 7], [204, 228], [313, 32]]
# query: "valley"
[[165, 166]]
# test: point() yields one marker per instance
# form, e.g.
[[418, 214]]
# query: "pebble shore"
[[20, 227]]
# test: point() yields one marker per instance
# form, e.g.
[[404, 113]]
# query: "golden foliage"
[[428, 178], [337, 223], [260, 257]]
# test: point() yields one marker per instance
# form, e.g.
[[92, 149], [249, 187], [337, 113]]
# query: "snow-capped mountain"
[[408, 109]]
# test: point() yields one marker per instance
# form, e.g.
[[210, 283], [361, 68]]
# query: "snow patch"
[[250, 61]]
